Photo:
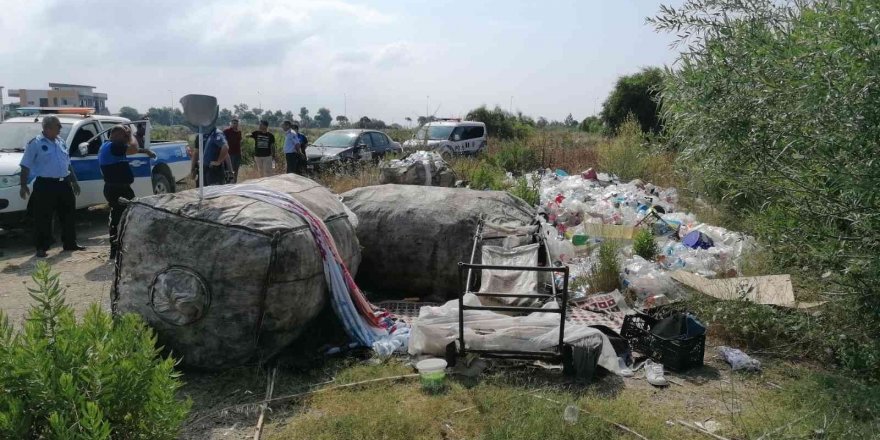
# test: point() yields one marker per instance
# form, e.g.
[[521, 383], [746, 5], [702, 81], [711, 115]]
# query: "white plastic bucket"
[[432, 373]]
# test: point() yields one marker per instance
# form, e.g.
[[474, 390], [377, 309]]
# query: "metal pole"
[[2, 112], [171, 110], [201, 165], [564, 307]]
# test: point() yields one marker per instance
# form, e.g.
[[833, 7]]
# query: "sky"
[[386, 59]]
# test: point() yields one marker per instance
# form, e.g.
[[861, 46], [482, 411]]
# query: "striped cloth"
[[364, 323]]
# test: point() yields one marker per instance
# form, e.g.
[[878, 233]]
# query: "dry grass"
[[503, 406]]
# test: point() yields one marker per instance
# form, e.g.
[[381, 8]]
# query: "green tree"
[[591, 124], [635, 94], [570, 121], [499, 123], [542, 122], [775, 107], [130, 113], [323, 118], [224, 117], [342, 121], [305, 121]]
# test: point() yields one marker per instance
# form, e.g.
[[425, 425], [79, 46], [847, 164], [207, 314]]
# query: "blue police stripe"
[[88, 169]]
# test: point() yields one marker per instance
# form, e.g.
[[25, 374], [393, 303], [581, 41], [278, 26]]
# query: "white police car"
[[450, 136], [84, 133]]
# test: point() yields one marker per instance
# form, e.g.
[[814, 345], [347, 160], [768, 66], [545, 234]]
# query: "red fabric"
[[233, 139]]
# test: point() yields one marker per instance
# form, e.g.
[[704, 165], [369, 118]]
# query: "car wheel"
[[162, 184]]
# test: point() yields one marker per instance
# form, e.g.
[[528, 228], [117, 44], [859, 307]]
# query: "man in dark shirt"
[[118, 176], [264, 149], [233, 139]]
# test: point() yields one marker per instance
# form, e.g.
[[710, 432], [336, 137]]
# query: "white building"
[[62, 95]]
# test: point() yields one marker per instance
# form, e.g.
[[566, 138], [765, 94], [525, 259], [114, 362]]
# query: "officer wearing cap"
[[55, 187], [113, 160]]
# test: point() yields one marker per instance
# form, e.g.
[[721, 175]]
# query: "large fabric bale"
[[231, 279], [413, 237]]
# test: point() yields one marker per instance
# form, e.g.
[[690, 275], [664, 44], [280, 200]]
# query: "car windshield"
[[14, 136], [336, 139], [435, 132]]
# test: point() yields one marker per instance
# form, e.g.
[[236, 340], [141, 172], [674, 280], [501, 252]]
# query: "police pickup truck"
[[83, 134]]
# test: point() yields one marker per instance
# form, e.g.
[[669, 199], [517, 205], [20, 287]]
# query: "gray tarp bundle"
[[419, 168], [413, 237], [230, 279]]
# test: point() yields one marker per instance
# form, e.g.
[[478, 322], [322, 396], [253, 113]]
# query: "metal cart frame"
[[559, 355]]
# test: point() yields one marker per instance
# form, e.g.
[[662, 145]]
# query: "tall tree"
[[636, 94], [305, 120], [570, 121], [323, 118], [342, 121], [130, 113]]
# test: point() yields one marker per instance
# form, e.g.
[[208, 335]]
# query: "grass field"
[[785, 401]]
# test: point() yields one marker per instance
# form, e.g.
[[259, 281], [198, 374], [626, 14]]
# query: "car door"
[[85, 166], [365, 142], [457, 141], [475, 139], [380, 143]]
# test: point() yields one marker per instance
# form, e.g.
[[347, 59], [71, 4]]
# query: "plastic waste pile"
[[578, 206]]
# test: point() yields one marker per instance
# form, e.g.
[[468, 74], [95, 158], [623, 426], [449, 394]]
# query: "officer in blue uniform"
[[112, 158], [55, 187]]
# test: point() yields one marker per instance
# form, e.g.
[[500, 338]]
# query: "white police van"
[[450, 136], [84, 133]]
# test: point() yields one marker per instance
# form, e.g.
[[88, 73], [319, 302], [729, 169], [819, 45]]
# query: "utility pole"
[[171, 110], [260, 99], [510, 109], [427, 107], [2, 112], [345, 105]]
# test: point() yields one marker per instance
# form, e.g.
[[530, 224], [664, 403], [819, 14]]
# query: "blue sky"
[[381, 58]]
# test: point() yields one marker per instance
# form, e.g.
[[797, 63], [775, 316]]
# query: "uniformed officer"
[[55, 187], [118, 176]]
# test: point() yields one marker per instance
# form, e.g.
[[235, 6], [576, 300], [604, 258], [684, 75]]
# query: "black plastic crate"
[[674, 354]]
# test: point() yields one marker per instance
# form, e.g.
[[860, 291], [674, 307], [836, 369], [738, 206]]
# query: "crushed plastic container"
[[433, 374]]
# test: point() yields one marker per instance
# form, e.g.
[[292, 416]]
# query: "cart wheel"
[[451, 353]]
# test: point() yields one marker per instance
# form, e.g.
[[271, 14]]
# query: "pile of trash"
[[581, 211], [419, 168]]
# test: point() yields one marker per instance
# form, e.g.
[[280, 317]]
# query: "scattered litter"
[[654, 374], [772, 289], [570, 415], [738, 360]]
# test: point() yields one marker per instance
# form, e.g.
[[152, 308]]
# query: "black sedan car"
[[348, 146]]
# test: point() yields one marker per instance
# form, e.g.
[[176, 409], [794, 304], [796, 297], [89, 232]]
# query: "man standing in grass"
[[292, 152], [233, 139], [264, 149]]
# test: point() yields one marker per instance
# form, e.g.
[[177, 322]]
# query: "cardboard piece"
[[771, 289], [619, 232]]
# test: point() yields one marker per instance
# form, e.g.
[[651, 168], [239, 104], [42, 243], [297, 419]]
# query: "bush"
[[775, 107], [98, 379], [605, 271], [516, 158], [488, 176], [500, 123], [624, 155], [530, 193], [644, 244]]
